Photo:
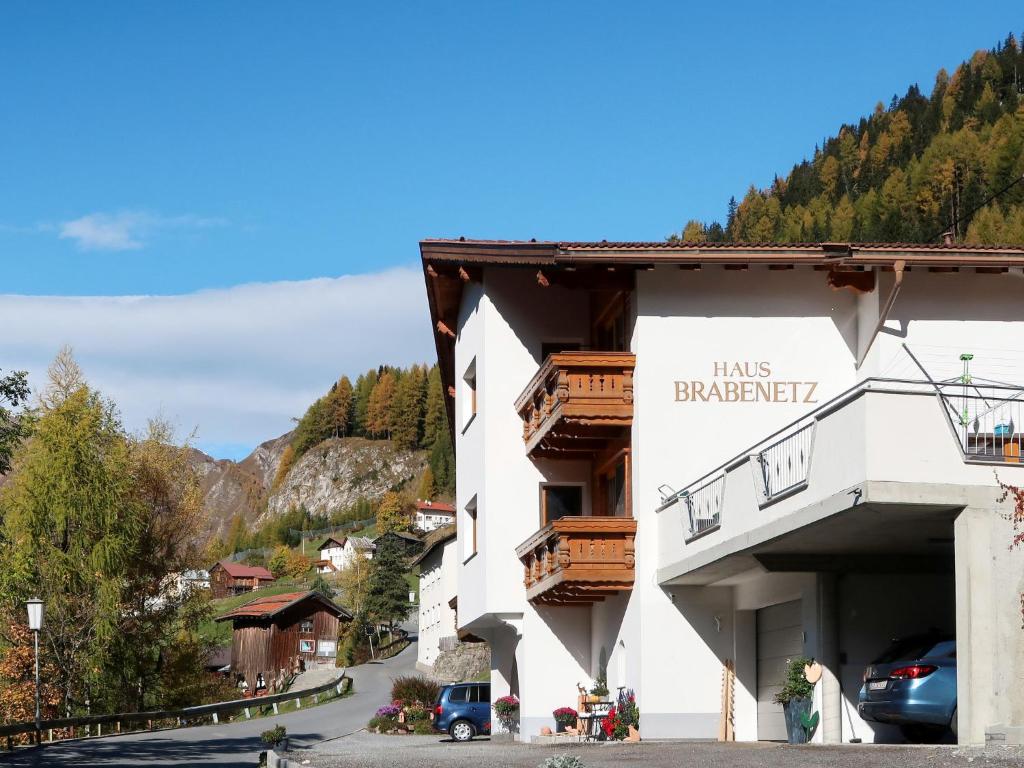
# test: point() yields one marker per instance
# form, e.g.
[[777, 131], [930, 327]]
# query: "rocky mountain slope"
[[329, 477]]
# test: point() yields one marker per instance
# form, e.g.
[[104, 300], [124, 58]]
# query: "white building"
[[438, 571], [672, 456], [336, 554], [431, 515]]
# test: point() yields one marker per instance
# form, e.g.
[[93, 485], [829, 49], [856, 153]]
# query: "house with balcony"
[[681, 462]]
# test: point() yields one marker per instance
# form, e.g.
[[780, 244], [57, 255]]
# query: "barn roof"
[[242, 571], [435, 506], [326, 543], [271, 605]]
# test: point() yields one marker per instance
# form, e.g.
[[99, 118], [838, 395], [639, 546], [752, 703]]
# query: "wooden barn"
[[274, 633], [228, 578]]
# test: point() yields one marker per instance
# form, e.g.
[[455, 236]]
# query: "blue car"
[[463, 710], [913, 685]]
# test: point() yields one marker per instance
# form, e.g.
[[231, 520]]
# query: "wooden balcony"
[[579, 560], [576, 402]]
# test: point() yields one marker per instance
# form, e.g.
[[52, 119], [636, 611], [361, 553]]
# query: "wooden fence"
[[213, 711]]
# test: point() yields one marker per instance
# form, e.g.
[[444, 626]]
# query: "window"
[[305, 646], [612, 486], [458, 694], [471, 542], [306, 625], [558, 501], [469, 395]]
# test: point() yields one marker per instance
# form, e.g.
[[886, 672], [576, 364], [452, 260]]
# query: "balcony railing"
[[785, 463], [576, 402], [988, 419], [704, 506], [578, 560]]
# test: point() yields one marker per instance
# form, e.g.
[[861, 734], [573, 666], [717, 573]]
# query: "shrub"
[[382, 724], [415, 688], [274, 735], [388, 710], [563, 761], [565, 716], [624, 714], [796, 685], [423, 728], [415, 714]]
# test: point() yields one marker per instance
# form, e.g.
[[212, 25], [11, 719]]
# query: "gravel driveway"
[[364, 750]]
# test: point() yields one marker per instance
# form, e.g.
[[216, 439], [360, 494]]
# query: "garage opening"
[[779, 639]]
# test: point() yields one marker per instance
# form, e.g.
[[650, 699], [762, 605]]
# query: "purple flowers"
[[388, 710]]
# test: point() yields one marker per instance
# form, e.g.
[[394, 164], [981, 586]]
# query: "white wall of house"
[[798, 339], [336, 555], [437, 587]]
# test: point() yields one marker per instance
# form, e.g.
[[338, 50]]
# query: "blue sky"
[[240, 158], [179, 146]]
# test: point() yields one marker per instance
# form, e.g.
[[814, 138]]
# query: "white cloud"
[[126, 230], [236, 363]]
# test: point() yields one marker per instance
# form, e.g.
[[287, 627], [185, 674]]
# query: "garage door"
[[779, 638]]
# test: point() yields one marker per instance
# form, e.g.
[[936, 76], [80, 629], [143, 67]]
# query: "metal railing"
[[987, 418], [704, 505], [180, 716], [785, 463]]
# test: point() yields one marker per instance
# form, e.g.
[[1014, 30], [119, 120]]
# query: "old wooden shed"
[[271, 633]]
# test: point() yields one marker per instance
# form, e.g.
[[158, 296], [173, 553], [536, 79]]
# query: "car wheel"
[[461, 730], [953, 724]]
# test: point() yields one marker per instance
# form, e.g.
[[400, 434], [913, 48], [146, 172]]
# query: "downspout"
[[897, 269]]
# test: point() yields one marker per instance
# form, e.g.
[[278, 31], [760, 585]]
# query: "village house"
[[431, 515], [228, 578], [678, 460], [337, 553], [437, 588], [272, 637], [410, 544]]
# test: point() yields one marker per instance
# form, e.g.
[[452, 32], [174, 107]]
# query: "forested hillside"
[[908, 172], [404, 405]]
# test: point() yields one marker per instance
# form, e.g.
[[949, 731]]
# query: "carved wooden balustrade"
[[576, 402], [579, 560]]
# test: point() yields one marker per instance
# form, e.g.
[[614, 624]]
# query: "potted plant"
[[506, 709], [276, 738], [599, 690], [795, 698], [565, 717]]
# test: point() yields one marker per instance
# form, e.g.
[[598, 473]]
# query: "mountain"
[[950, 161], [333, 475]]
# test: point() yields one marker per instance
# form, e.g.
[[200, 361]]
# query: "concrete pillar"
[[827, 653], [745, 691], [976, 624]]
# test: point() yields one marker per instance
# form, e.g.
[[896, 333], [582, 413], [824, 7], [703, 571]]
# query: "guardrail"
[[704, 506], [215, 710], [786, 462]]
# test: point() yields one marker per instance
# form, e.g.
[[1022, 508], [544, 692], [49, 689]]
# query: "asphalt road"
[[230, 744]]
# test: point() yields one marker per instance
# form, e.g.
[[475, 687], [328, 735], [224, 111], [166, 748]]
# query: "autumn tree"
[[17, 679], [361, 402], [379, 421], [392, 514]]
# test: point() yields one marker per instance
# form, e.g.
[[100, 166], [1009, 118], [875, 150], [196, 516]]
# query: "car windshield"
[[911, 648]]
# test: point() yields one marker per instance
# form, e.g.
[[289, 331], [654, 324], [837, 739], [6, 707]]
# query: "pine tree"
[[13, 426], [361, 402], [435, 420], [388, 591], [407, 412], [442, 464], [427, 489]]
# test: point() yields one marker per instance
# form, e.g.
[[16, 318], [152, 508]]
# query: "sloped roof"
[[271, 605], [435, 506], [400, 534], [242, 571], [362, 542], [436, 538], [326, 543]]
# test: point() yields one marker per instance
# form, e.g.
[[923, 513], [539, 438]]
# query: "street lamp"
[[35, 623]]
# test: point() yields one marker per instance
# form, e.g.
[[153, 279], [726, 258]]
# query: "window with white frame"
[[469, 395]]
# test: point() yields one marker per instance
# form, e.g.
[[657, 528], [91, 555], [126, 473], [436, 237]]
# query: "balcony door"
[[613, 492], [560, 500]]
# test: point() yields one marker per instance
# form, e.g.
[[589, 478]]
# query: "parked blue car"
[[913, 685], [463, 710]]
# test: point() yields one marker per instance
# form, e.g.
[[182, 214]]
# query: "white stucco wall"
[[437, 585]]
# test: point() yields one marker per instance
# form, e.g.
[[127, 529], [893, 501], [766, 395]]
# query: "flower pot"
[[634, 734], [793, 710], [282, 745], [559, 727]]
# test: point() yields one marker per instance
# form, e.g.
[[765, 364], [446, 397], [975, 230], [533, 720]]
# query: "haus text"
[[744, 382]]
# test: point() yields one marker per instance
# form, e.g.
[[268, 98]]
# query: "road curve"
[[229, 744]]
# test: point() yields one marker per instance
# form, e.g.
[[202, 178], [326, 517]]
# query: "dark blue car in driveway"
[[463, 710], [913, 685]]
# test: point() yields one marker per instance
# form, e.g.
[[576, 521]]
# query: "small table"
[[594, 713]]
